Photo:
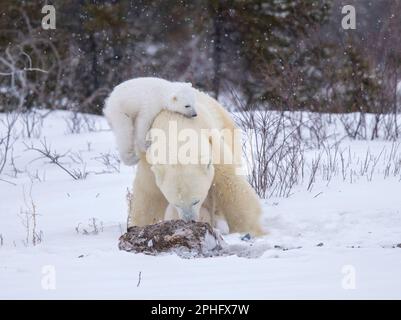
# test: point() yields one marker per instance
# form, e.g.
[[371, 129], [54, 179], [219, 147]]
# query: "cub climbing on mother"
[[208, 189]]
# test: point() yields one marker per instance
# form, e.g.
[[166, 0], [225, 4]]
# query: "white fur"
[[132, 106]]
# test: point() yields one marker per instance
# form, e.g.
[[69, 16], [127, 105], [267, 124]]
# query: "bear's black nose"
[[188, 106]]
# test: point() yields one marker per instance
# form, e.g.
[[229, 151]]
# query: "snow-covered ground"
[[335, 240]]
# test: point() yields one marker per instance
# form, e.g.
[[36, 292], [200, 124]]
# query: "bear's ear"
[[173, 96], [158, 172]]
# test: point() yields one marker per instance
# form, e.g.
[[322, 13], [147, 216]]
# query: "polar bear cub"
[[132, 106]]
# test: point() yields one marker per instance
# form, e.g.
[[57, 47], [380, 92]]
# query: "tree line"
[[280, 55]]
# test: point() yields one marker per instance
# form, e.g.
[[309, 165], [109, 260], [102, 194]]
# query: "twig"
[[139, 278]]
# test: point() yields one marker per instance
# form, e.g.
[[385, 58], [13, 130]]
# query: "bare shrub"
[[392, 164], [78, 122], [74, 123], [55, 158], [29, 219], [314, 169], [36, 176], [15, 171], [390, 127], [110, 161], [354, 125], [80, 172], [336, 162], [17, 63], [7, 138], [93, 227], [32, 123], [278, 145], [272, 151]]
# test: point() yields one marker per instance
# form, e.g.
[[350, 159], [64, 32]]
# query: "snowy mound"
[[186, 239]]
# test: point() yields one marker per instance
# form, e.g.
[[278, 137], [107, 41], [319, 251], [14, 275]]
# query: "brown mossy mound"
[[186, 239]]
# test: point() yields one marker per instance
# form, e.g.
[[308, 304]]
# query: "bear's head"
[[182, 99], [185, 186]]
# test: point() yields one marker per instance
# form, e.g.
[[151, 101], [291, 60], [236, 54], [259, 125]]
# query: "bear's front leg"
[[171, 213], [123, 129], [141, 133], [221, 224], [147, 205]]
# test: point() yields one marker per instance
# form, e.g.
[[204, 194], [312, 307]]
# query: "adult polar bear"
[[216, 186]]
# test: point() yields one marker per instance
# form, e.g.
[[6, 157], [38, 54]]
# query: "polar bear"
[[138, 101], [175, 189]]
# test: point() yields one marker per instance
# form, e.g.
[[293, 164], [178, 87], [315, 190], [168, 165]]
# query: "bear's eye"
[[187, 106], [195, 202]]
